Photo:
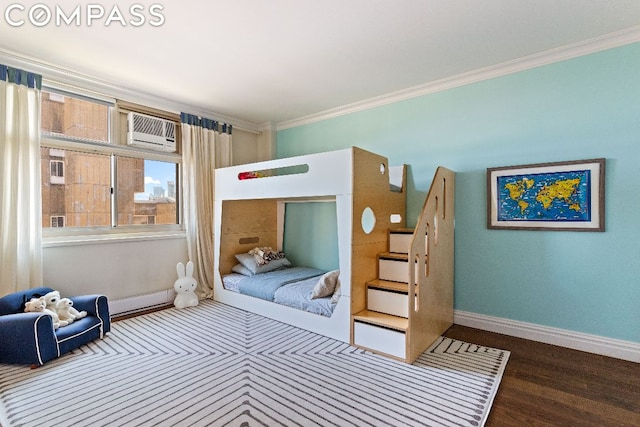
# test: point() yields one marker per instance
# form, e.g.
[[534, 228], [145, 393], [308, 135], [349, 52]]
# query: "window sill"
[[59, 241]]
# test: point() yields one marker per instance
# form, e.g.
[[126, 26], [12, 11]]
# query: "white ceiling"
[[277, 60]]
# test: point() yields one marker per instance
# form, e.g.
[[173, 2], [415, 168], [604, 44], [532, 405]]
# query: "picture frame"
[[558, 196]]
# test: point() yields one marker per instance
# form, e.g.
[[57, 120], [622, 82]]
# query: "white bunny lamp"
[[185, 287]]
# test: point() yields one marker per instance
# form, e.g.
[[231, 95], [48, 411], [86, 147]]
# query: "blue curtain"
[[20, 77], [192, 120]]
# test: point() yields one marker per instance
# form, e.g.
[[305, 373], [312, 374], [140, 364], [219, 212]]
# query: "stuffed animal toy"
[[265, 254], [51, 299], [39, 305], [65, 311], [185, 287]]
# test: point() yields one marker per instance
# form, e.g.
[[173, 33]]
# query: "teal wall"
[[581, 108], [317, 223]]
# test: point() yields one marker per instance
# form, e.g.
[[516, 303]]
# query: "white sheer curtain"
[[203, 149], [224, 156], [20, 202]]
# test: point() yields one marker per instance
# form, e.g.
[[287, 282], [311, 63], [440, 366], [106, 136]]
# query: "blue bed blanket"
[[265, 285]]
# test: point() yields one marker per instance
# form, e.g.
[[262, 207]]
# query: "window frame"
[[115, 148]]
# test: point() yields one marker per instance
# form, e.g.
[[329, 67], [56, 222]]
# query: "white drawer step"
[[400, 242], [389, 302], [394, 270], [384, 340]]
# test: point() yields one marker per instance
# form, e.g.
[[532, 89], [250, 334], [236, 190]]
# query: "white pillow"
[[241, 269], [326, 285], [336, 294], [249, 262]]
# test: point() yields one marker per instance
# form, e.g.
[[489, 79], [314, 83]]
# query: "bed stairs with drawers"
[[393, 324]]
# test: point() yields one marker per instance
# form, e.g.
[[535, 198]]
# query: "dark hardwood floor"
[[546, 385]]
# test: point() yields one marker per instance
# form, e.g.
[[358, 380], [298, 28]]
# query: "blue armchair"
[[30, 339]]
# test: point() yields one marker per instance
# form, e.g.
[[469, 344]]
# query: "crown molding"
[[61, 78], [605, 42], [267, 127]]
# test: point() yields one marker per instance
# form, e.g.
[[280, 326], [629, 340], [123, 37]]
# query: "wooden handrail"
[[431, 266]]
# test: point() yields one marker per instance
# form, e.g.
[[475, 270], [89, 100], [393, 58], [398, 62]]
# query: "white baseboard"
[[141, 302], [625, 350]]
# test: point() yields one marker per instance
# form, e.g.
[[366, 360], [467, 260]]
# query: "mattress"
[[295, 295]]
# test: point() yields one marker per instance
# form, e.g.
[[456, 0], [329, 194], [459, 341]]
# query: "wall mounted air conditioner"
[[151, 132]]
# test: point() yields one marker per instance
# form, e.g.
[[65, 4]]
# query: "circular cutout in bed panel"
[[368, 220]]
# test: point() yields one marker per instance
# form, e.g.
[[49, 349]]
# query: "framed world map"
[[562, 196]]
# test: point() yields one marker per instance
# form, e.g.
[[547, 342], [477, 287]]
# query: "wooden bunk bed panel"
[[396, 204], [371, 190], [373, 173], [364, 267], [245, 225]]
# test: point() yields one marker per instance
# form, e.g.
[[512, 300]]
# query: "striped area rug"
[[215, 365]]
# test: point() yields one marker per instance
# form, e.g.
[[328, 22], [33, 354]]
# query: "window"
[[94, 183], [57, 168], [57, 171], [72, 117], [84, 195], [57, 221], [147, 191]]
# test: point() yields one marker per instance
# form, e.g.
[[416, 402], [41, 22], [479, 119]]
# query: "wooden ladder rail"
[[431, 268]]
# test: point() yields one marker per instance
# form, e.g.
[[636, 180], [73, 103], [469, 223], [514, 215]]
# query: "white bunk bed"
[[249, 212]]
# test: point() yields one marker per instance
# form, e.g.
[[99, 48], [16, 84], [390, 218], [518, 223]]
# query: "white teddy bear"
[[39, 305], [185, 287], [66, 312], [51, 300]]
